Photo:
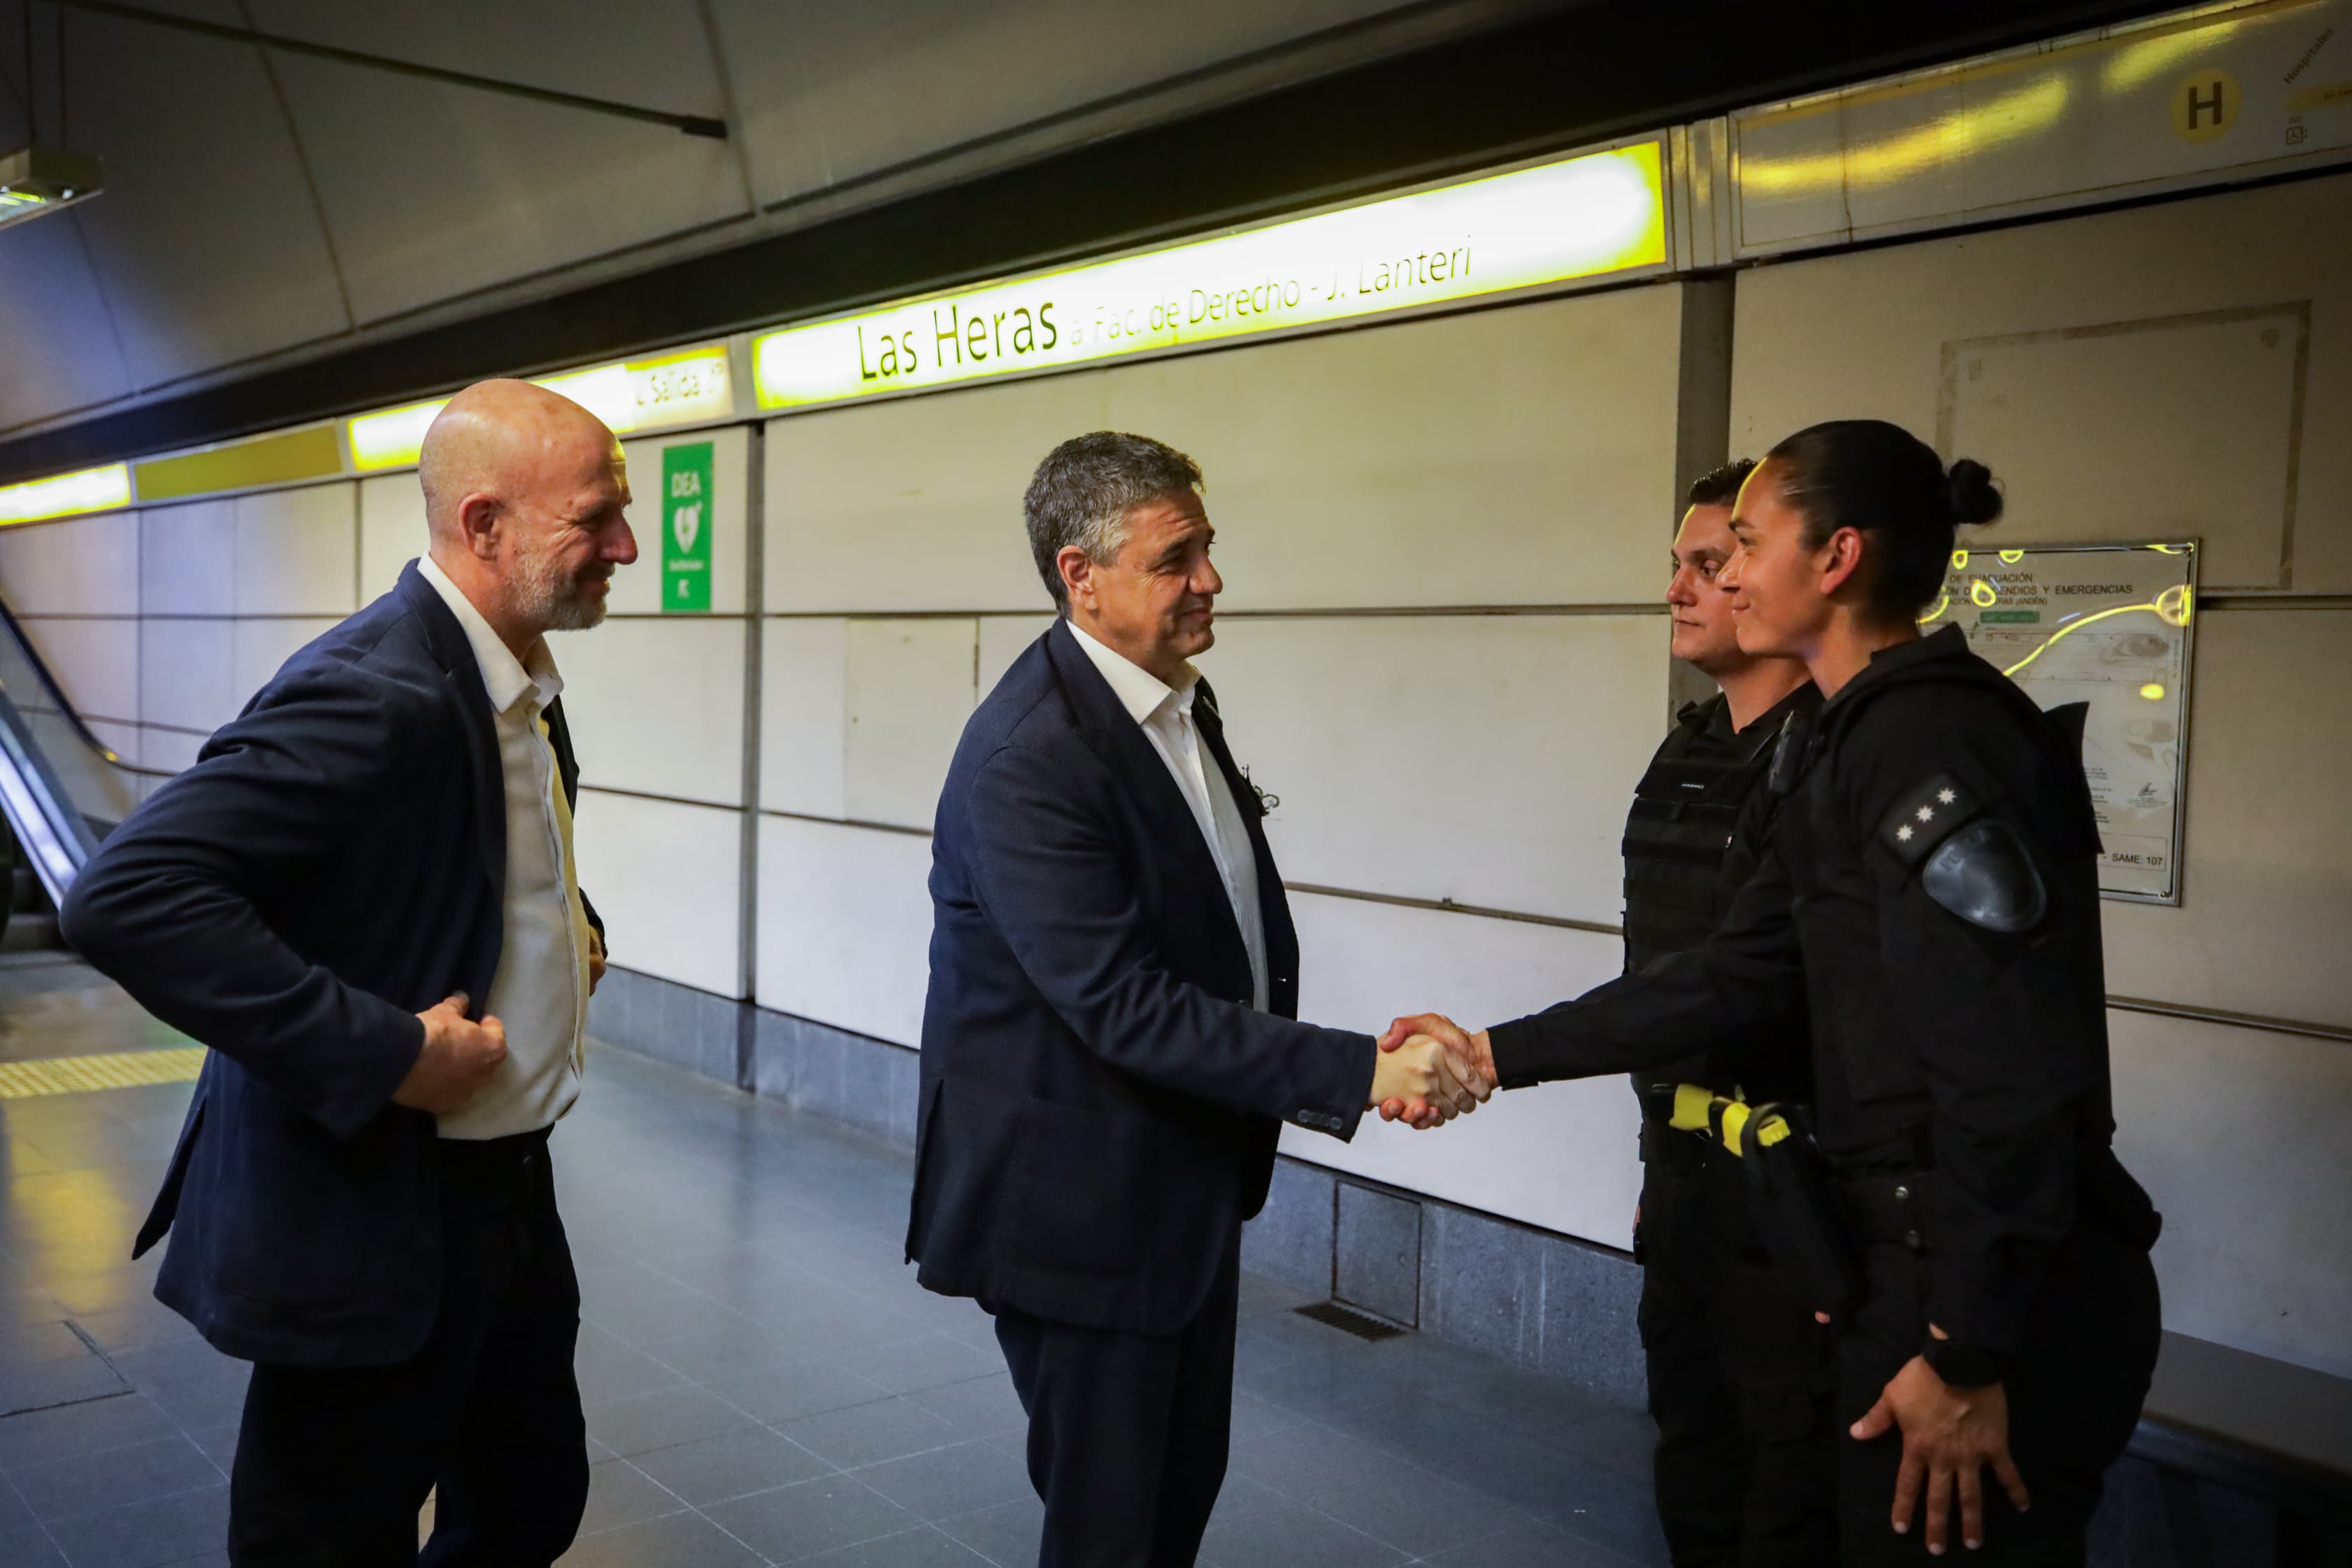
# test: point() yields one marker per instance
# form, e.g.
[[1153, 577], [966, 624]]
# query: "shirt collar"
[[507, 678], [1140, 691]]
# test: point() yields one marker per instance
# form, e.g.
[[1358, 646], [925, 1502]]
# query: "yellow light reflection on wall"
[[2140, 62], [1949, 138], [65, 495], [638, 395], [2153, 691], [1595, 213]]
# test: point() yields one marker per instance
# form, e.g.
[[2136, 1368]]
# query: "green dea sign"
[[1578, 217], [686, 527]]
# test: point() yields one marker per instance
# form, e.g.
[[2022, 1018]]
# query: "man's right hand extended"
[[1420, 1071], [459, 1058]]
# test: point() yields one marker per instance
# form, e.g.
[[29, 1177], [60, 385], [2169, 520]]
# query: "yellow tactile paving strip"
[[116, 1069]]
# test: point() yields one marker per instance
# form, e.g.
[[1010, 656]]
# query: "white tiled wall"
[[1002, 639], [1387, 466], [82, 566], [805, 699], [2237, 1135], [296, 551], [392, 530], [1560, 1155], [655, 705], [667, 878], [187, 559], [844, 925], [187, 674], [909, 690], [1482, 759], [915, 506], [96, 661]]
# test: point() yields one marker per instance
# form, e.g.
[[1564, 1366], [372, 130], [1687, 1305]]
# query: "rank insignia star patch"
[[1925, 816]]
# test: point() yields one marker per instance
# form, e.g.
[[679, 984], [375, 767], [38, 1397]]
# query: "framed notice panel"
[[2108, 625]]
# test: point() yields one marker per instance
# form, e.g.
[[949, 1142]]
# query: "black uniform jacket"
[[1937, 1042], [334, 865], [1701, 820], [1099, 1100]]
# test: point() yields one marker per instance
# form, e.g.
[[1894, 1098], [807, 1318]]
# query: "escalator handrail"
[[63, 706]]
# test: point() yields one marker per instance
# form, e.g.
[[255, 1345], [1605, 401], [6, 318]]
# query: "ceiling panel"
[[831, 91], [433, 191], [55, 340], [205, 237], [652, 53], [55, 343]]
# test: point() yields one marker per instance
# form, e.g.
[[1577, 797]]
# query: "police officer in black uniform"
[[1738, 1375], [1929, 906]]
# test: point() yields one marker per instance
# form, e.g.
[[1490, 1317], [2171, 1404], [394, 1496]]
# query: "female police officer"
[[1929, 907]]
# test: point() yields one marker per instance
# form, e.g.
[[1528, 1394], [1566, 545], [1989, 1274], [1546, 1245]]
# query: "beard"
[[551, 596]]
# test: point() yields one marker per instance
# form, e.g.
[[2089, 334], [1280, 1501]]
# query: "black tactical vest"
[[1679, 873]]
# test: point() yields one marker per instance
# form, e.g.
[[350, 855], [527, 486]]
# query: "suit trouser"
[[1128, 1433], [1740, 1379], [2074, 1394], [334, 1464]]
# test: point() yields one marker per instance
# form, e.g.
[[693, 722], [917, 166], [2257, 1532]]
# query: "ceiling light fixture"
[[36, 180]]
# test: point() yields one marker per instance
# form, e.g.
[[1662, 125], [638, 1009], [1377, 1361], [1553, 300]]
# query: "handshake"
[[1431, 1070]]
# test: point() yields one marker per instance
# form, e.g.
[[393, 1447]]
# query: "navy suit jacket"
[[332, 865], [1099, 1100]]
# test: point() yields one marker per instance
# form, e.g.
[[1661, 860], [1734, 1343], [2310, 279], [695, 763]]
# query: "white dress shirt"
[[1165, 712], [541, 989]]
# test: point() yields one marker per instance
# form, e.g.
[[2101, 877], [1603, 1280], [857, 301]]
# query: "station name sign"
[[1584, 216], [687, 387]]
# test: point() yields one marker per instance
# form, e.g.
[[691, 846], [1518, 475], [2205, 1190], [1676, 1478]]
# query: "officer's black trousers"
[[1128, 1433], [2073, 1398], [333, 1464], [1740, 1382]]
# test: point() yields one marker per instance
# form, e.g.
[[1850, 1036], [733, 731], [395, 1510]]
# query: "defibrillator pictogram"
[[686, 536]]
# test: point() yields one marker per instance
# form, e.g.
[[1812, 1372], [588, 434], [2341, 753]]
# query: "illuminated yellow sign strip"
[[1584, 216], [65, 495], [640, 395], [289, 457]]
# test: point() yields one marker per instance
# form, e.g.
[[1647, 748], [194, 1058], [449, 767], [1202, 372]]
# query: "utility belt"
[[1796, 1200], [1816, 1220]]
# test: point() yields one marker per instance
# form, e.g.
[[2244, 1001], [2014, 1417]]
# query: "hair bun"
[[1968, 489]]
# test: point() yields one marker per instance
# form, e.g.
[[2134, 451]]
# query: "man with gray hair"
[[1110, 1044], [363, 897]]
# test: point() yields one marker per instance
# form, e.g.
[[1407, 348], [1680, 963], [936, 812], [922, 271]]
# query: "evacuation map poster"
[[2110, 625]]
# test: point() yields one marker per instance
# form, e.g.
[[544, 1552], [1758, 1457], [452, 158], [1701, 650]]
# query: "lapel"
[[462, 673], [1274, 908], [1112, 734]]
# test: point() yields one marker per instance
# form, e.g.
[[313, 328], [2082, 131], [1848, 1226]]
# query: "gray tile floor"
[[764, 1381]]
